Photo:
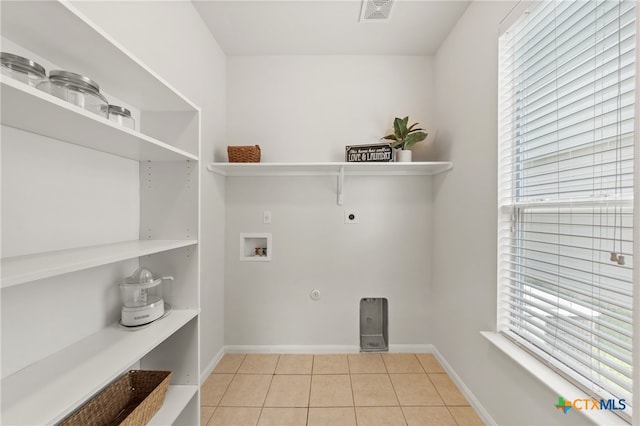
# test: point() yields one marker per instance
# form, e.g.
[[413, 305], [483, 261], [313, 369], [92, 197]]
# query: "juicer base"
[[142, 315]]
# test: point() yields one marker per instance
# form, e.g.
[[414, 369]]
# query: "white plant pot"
[[403, 156]]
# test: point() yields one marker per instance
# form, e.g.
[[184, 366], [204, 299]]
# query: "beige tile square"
[[337, 416], [213, 388], [289, 391], [428, 416], [466, 416], [415, 389], [294, 364], [329, 390], [402, 363], [234, 416], [246, 390], [259, 364], [283, 417], [229, 363], [448, 390], [205, 414], [380, 416], [430, 363], [330, 364], [366, 363], [373, 390]]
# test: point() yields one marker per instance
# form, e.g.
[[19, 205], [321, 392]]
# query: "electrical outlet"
[[351, 216]]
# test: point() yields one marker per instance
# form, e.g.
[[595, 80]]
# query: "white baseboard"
[[291, 349], [212, 364], [320, 349], [475, 403], [411, 349]]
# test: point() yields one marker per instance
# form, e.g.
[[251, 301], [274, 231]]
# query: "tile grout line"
[[425, 372], [394, 390], [226, 388], [353, 394], [233, 375], [313, 358], [441, 397], [264, 401], [454, 417]]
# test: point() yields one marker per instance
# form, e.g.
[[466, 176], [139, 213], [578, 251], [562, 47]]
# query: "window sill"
[[553, 381]]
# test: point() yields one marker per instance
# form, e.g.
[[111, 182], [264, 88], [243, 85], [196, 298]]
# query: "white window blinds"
[[567, 81]]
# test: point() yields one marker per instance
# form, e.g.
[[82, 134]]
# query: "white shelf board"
[[58, 31], [331, 169], [49, 390], [22, 269], [35, 111], [176, 399]]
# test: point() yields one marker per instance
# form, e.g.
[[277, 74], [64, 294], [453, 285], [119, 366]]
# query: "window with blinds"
[[566, 148]]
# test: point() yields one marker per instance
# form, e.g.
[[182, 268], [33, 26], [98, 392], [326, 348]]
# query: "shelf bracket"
[[340, 184]]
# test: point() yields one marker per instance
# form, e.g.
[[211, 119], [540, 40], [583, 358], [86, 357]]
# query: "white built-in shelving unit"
[[70, 366], [23, 269], [65, 122], [338, 169]]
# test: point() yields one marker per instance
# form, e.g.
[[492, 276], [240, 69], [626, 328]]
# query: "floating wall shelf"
[[335, 169], [330, 169]]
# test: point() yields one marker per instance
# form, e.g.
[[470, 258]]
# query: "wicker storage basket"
[[131, 400], [244, 154]]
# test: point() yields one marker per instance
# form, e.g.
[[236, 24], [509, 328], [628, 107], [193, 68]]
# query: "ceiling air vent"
[[375, 10]]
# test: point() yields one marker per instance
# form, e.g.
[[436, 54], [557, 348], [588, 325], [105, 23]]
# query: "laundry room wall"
[[464, 286], [306, 109]]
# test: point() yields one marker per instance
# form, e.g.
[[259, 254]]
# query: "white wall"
[[385, 255], [465, 218], [307, 108], [171, 38]]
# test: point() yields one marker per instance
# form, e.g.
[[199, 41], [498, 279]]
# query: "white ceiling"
[[328, 27]]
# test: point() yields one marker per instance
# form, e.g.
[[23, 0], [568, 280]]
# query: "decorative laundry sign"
[[379, 153]]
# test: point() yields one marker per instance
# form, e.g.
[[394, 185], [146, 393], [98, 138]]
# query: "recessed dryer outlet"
[[351, 216], [255, 247], [374, 324]]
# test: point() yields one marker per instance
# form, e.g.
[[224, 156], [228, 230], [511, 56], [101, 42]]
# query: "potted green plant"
[[404, 137]]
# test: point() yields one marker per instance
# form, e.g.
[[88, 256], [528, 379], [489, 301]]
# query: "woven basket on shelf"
[[131, 400], [244, 154]]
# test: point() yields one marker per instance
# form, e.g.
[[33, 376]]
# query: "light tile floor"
[[332, 390]]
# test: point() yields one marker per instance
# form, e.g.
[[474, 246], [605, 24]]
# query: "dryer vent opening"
[[374, 324]]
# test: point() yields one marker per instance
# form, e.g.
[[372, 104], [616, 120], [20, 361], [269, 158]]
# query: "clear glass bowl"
[[122, 116], [22, 69], [77, 90]]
